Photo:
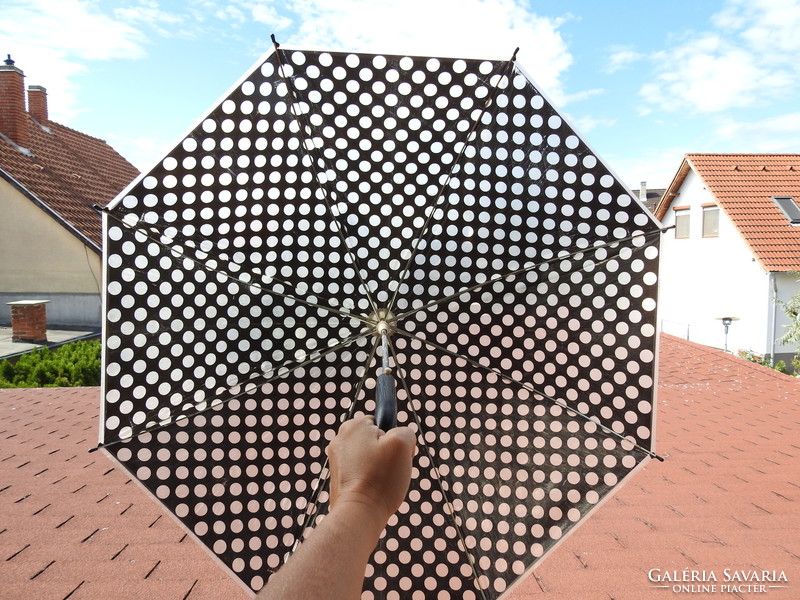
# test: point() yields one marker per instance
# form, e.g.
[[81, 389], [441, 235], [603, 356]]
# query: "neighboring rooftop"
[[75, 526], [64, 171], [650, 197], [743, 185]]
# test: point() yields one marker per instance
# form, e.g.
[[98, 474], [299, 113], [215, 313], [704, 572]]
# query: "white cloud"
[[764, 25], [55, 42], [72, 26], [230, 13], [773, 134], [586, 124], [474, 28], [51, 42], [750, 57], [621, 58], [582, 95], [263, 11], [149, 14]]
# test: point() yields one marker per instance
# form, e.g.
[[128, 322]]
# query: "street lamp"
[[726, 323]]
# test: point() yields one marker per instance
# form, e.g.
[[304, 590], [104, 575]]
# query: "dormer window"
[[789, 208]]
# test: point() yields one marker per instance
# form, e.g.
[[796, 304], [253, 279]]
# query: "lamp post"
[[726, 323]]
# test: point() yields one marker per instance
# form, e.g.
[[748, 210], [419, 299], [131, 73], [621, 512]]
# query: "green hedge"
[[72, 365]]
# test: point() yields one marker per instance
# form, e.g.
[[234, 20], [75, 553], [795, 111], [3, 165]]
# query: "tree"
[[792, 309]]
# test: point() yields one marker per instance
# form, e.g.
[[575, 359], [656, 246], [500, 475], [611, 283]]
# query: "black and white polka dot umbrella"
[[331, 197]]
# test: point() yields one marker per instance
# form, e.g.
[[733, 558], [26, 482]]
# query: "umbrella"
[[338, 216]]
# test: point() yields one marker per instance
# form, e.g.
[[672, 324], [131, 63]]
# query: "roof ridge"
[[729, 357], [73, 130]]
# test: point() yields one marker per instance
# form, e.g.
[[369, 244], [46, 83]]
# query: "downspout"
[[773, 316]]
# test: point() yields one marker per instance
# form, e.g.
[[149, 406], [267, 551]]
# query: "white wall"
[[703, 279], [40, 259]]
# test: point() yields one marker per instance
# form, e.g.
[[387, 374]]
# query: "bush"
[[766, 361], [71, 365]]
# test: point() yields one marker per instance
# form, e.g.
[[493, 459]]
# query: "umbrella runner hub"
[[382, 320]]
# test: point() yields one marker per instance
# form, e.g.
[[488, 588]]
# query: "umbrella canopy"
[[331, 197]]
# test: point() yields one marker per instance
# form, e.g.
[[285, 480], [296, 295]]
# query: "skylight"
[[789, 208]]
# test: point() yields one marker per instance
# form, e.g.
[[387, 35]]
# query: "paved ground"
[[54, 337]]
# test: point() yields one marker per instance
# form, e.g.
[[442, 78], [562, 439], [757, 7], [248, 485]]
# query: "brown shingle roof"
[[743, 185], [69, 172], [727, 497]]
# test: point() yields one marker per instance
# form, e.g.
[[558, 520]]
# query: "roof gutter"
[[86, 241]]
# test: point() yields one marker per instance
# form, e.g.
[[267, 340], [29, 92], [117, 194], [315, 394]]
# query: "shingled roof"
[[64, 171], [75, 526], [743, 186]]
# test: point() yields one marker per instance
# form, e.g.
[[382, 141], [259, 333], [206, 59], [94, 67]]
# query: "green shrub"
[[71, 365], [766, 361]]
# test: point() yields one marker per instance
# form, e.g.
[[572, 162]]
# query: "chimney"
[[37, 103], [13, 118], [643, 191], [28, 321]]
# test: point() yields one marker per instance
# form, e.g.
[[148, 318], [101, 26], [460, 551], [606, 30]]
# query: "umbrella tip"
[[514, 56], [274, 41]]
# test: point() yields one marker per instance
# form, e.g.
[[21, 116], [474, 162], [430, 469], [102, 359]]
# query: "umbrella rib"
[[424, 230], [327, 194], [275, 373], [432, 457], [320, 484], [528, 268], [532, 389], [151, 235]]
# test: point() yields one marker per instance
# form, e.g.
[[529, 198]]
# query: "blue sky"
[[644, 82]]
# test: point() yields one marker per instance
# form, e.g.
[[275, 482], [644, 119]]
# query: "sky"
[[643, 82]]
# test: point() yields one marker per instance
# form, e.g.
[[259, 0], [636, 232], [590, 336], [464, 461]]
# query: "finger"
[[404, 437]]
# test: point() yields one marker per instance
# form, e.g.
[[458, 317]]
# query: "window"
[[710, 221], [681, 222], [789, 208]]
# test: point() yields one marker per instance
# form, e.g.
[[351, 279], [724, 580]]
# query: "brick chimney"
[[13, 118], [28, 321], [37, 103]]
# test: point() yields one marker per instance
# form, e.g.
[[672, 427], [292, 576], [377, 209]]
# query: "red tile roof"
[[743, 185], [69, 172], [727, 497], [74, 525]]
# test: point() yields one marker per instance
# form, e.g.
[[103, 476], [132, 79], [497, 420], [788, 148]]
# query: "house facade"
[[733, 252], [51, 176]]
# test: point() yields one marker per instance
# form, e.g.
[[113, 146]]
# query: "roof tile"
[[726, 498], [743, 185], [70, 172]]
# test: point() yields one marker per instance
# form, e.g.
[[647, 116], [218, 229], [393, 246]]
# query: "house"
[[734, 252], [50, 177], [74, 525]]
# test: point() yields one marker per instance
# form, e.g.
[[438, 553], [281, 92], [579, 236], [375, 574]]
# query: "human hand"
[[370, 467]]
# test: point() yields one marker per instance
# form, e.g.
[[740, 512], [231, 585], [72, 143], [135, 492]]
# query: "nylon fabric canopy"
[[246, 272]]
